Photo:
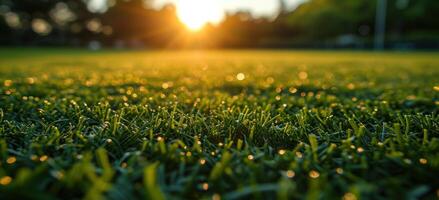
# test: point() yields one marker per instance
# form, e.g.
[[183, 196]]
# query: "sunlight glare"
[[197, 13]]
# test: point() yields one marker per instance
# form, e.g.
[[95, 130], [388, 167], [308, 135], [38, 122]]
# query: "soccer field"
[[218, 124]]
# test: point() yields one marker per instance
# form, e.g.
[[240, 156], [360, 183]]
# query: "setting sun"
[[197, 13]]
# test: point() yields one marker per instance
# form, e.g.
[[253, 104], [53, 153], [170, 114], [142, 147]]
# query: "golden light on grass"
[[197, 13]]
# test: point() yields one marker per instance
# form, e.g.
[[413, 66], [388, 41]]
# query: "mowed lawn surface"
[[218, 125]]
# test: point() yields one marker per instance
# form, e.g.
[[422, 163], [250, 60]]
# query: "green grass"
[[180, 125]]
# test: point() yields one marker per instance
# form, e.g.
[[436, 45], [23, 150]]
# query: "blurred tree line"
[[135, 23]]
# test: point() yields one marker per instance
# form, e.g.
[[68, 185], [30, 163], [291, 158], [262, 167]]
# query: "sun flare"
[[197, 13]]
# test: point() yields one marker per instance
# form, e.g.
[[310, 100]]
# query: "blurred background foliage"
[[136, 24]]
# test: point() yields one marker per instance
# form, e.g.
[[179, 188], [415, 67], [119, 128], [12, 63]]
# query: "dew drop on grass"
[[278, 90], [44, 158], [216, 197], [281, 152], [349, 196], [290, 173], [7, 83], [240, 76], [303, 75], [292, 90], [339, 170], [30, 80], [270, 80], [205, 186], [5, 180], [11, 160], [314, 174], [351, 86]]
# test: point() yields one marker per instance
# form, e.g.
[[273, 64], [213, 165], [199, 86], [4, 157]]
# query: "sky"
[[257, 7], [197, 13]]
